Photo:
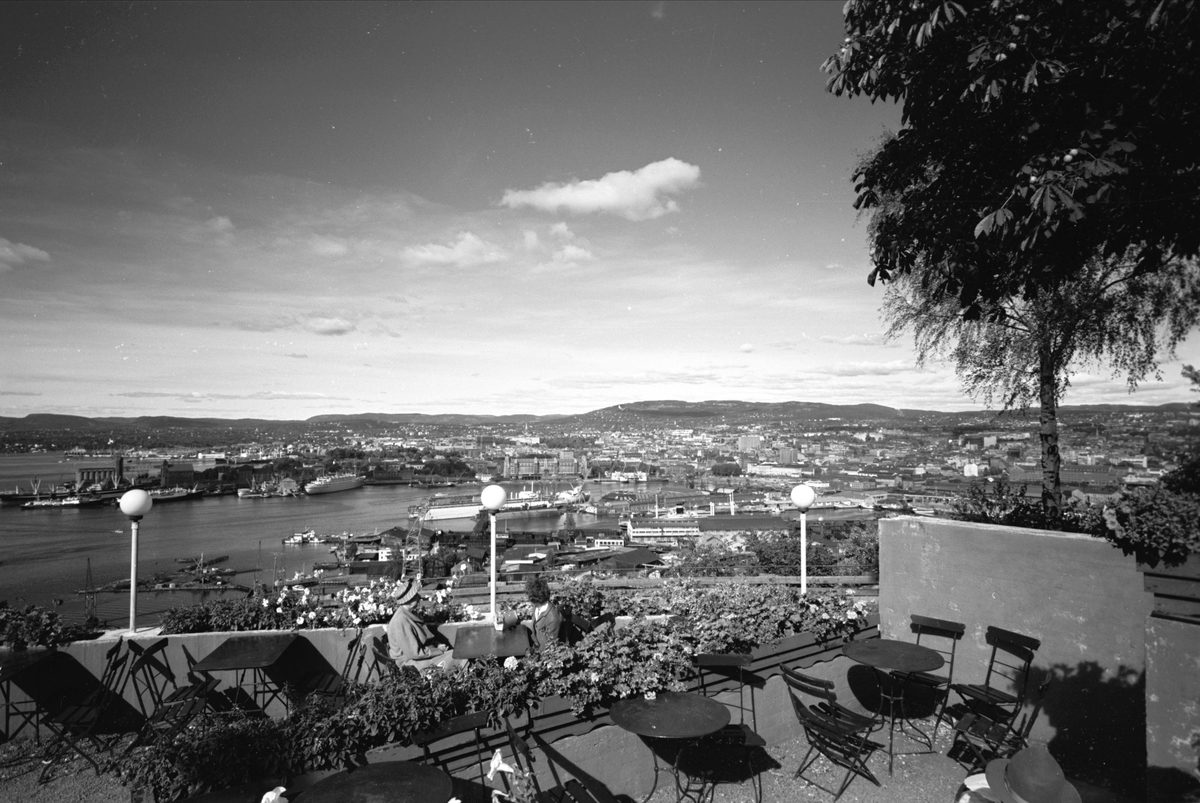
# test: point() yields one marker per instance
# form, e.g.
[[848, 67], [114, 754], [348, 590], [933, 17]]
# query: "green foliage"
[[715, 560], [1021, 135], [34, 626], [1001, 502], [1155, 524], [726, 470], [779, 553]]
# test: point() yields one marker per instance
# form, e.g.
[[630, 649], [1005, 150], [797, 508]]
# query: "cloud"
[[866, 339], [328, 326], [13, 254], [866, 368], [328, 247], [573, 253], [637, 195], [195, 397], [531, 239], [562, 231], [220, 225], [297, 356], [466, 251], [18, 393], [747, 347]]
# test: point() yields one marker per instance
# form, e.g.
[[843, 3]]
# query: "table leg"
[[894, 698]]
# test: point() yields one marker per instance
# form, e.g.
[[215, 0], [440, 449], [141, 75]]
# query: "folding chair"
[[151, 675], [826, 699], [382, 664], [333, 686], [446, 729], [985, 738], [1012, 654], [25, 712], [75, 724], [726, 756], [942, 636], [169, 720], [573, 790], [842, 740]]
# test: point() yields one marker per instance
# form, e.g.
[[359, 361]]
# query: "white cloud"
[[328, 326], [531, 239], [865, 339], [637, 195], [220, 225], [747, 347], [573, 253], [13, 254], [561, 230], [466, 251], [329, 247]]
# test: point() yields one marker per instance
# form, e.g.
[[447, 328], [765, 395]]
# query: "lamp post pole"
[[492, 498], [134, 504], [804, 496]]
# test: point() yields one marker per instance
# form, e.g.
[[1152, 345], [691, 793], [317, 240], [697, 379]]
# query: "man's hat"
[[407, 590], [1030, 776]]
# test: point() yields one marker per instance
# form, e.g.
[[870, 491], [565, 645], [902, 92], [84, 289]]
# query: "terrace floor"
[[918, 778]]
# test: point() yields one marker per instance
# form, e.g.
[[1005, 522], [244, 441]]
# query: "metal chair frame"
[[843, 741], [736, 741], [572, 790], [1012, 655], [945, 635], [987, 739], [474, 722]]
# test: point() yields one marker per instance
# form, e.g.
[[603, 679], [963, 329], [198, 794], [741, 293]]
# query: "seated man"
[[547, 619], [410, 641]]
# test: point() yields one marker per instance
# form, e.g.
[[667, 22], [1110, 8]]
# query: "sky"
[[282, 210]]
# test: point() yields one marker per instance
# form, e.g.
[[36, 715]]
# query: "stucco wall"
[[1172, 709], [1080, 596]]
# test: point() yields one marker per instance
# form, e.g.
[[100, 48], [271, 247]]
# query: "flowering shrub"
[[35, 626]]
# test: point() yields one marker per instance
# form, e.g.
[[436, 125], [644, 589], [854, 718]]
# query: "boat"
[[523, 503], [306, 537], [176, 494], [68, 501], [332, 483]]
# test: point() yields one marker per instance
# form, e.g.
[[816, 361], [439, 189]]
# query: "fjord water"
[[44, 553]]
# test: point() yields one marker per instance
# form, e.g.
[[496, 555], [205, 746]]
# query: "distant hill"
[[642, 414]]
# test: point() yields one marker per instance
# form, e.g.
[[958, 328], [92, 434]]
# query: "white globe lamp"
[[492, 497], [134, 504], [804, 497]]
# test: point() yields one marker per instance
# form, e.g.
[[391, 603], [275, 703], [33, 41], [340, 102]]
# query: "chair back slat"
[[941, 636], [806, 684]]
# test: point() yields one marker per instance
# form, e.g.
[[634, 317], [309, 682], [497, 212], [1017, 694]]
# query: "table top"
[[902, 656], [387, 782], [670, 715], [476, 642], [246, 652]]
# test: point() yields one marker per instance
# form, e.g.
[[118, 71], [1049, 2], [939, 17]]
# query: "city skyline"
[[280, 211]]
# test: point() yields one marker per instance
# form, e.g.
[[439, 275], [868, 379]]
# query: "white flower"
[[650, 695], [279, 610], [266, 603], [851, 615], [275, 795], [595, 677], [510, 662], [498, 765]]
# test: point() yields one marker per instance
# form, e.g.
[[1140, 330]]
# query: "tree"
[[1051, 130], [1022, 350]]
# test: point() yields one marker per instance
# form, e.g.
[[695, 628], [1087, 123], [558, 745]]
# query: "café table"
[[477, 642], [892, 655], [259, 655], [683, 716], [386, 782]]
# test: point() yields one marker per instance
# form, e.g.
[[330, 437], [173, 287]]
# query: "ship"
[[177, 494], [68, 501], [522, 503], [332, 483]]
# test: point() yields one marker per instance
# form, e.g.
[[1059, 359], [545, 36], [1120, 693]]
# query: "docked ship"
[[332, 483], [522, 503], [66, 501], [176, 494]]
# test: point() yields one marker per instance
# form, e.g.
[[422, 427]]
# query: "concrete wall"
[[1172, 709], [1080, 596]]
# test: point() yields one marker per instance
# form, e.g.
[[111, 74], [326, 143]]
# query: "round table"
[[884, 655], [387, 782], [900, 656], [670, 715]]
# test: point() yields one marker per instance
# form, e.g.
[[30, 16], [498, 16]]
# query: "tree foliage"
[[1036, 134]]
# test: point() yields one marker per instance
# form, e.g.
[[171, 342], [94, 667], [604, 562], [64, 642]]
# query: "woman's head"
[[538, 590]]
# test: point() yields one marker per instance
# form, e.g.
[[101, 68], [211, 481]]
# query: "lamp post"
[[803, 496], [492, 497], [134, 504]]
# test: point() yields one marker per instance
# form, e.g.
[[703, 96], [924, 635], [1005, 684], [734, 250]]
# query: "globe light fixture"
[[134, 504], [804, 497], [492, 497]]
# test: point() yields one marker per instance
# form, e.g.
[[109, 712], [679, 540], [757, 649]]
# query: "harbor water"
[[44, 553]]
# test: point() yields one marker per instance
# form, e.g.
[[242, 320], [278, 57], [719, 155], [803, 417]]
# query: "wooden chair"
[[986, 739], [1012, 654], [151, 675], [832, 731], [942, 636], [473, 723], [727, 756]]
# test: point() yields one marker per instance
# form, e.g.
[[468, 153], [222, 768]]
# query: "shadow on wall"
[[1099, 723]]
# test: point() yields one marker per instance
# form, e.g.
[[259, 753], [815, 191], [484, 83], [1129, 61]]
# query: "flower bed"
[[646, 656]]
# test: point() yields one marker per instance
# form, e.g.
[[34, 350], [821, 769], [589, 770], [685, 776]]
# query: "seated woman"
[[547, 619], [410, 641]]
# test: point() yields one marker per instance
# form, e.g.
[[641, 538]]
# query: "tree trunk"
[[1048, 435]]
